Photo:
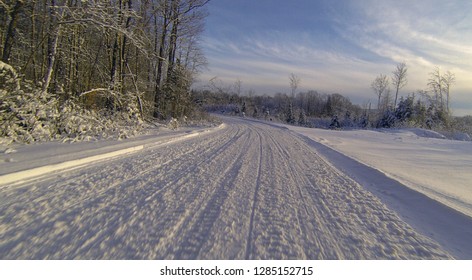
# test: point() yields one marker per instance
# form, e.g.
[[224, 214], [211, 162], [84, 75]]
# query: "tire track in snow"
[[228, 239], [318, 223], [345, 210], [254, 203], [98, 200], [314, 248], [183, 202], [277, 220], [331, 231], [88, 194], [249, 191], [204, 218], [98, 178]]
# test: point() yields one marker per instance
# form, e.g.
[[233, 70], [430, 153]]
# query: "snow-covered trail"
[[248, 191]]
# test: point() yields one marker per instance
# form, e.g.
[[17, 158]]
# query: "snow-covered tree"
[[334, 123], [302, 120], [116, 49], [435, 84], [347, 121], [440, 87], [405, 110], [290, 114], [387, 120], [177, 102], [28, 114]]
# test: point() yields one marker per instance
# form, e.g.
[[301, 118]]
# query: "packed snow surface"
[[246, 190]]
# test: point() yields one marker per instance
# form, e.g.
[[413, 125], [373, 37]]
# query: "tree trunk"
[[52, 47], [160, 62], [115, 53], [10, 36], [123, 53], [173, 34]]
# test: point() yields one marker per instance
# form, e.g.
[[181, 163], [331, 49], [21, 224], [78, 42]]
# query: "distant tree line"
[[428, 108], [107, 56], [300, 108]]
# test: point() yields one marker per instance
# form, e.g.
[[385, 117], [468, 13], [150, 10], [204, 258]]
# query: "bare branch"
[[294, 83], [380, 87], [399, 79]]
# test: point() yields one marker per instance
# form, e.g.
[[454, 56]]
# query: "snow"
[[21, 176], [28, 161], [419, 159], [243, 190]]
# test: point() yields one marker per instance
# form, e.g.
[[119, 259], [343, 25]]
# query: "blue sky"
[[339, 45]]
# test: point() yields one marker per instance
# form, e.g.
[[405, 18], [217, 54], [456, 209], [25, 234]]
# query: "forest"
[[73, 69], [425, 108]]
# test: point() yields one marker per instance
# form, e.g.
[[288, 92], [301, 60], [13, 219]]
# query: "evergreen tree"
[[419, 114], [290, 115], [302, 121], [347, 122], [334, 123], [404, 111], [388, 120]]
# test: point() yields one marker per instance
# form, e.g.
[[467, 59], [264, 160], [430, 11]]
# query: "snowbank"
[[420, 159], [23, 162]]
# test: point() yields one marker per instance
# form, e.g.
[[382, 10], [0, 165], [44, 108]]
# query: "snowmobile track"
[[246, 191]]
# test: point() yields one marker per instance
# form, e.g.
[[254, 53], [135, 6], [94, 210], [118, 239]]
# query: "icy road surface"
[[247, 191]]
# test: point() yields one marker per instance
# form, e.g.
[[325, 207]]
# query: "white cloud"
[[370, 37], [415, 31]]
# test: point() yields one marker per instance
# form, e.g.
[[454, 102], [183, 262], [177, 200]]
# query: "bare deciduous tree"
[[237, 87], [440, 85], [399, 79], [11, 29], [125, 46], [448, 80], [435, 84], [380, 88], [294, 84]]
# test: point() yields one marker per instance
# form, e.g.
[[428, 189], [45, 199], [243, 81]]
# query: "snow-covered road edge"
[[99, 154], [437, 168], [449, 227], [21, 176]]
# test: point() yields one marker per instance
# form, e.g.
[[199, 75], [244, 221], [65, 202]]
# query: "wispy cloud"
[[340, 45], [415, 31], [262, 60]]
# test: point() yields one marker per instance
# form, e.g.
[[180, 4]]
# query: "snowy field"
[[243, 190], [438, 168]]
